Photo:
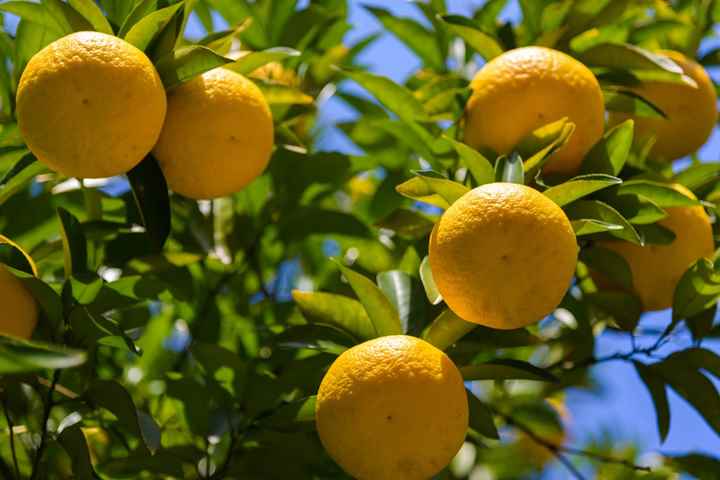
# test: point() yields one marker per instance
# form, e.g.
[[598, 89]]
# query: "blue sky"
[[621, 407]]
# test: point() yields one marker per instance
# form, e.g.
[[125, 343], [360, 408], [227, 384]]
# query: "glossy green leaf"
[[145, 30], [408, 223], [112, 396], [187, 62], [629, 102], [510, 169], [588, 226], [339, 311], [74, 243], [32, 12], [396, 98], [481, 419], [431, 290], [18, 356], [597, 210], [538, 146], [252, 61], [611, 152], [138, 12], [446, 329], [658, 394], [441, 192], [579, 187], [655, 234], [697, 176], [93, 14], [697, 290], [397, 286], [629, 57], [661, 194], [418, 38], [506, 369], [479, 166], [20, 176], [485, 45], [277, 94], [378, 307]]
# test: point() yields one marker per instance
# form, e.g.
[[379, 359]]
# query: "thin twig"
[[46, 416], [558, 449], [12, 437]]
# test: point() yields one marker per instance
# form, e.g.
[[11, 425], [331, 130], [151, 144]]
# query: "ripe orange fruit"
[[526, 88], [217, 137], [19, 310], [691, 112], [657, 269], [90, 105], [392, 408], [503, 255]]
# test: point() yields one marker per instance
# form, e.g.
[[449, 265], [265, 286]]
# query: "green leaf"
[[611, 152], [33, 12], [73, 441], [150, 193], [538, 147], [396, 98], [85, 288], [510, 169], [609, 263], [446, 329], [431, 290], [92, 13], [112, 396], [250, 62], [697, 290], [597, 210], [27, 168], [18, 356], [479, 166], [658, 393], [481, 419], [579, 187], [626, 56], [588, 226], [506, 369], [701, 324], [397, 286], [440, 192], [321, 338], [339, 311], [624, 308], [74, 243], [417, 38], [661, 194], [185, 63], [407, 223], [655, 234], [67, 19], [485, 45], [696, 464], [117, 10], [277, 94], [144, 31], [379, 309], [697, 176], [298, 415], [630, 102], [140, 10], [638, 210]]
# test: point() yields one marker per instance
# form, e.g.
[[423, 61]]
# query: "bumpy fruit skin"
[[392, 408], [503, 255], [90, 105], [657, 269], [691, 112], [19, 310], [526, 88], [217, 137]]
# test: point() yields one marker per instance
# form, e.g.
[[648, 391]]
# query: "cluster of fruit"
[[504, 255], [92, 105]]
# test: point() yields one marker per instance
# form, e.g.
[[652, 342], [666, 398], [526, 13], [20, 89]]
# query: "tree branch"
[[558, 450], [46, 416]]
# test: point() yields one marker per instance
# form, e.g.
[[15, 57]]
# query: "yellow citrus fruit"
[[217, 137], [656, 269], [90, 105], [392, 408], [19, 310], [691, 112], [503, 255], [526, 88]]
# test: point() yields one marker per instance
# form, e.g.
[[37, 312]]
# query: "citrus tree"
[[191, 288]]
